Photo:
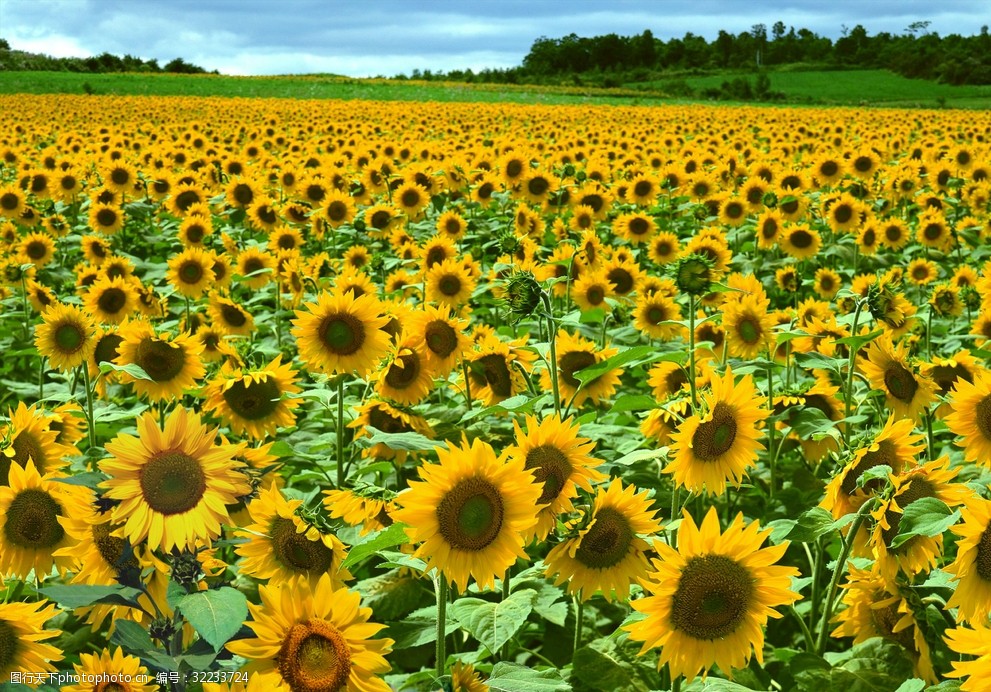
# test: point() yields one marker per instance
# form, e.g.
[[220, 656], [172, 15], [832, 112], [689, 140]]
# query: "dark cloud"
[[391, 36]]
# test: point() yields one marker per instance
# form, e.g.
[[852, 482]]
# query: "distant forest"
[[612, 60], [12, 60]]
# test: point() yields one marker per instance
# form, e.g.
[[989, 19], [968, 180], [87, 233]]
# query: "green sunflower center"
[[112, 300], [254, 401], [314, 657], [160, 359], [32, 521], [656, 314], [595, 295], [172, 482], [9, 644], [715, 437], [401, 377], [693, 276], [607, 541], [551, 469], [572, 362], [191, 272], [106, 348], [441, 338], [900, 382], [295, 551], [983, 416], [69, 337], [471, 514], [342, 333], [713, 598], [748, 330], [916, 489], [883, 456]]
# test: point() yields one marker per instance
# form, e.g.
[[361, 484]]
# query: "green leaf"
[[216, 614], [510, 677], [89, 479], [856, 341], [549, 607], [817, 361], [132, 369], [406, 441], [633, 402], [927, 516], [376, 542], [809, 526], [131, 636], [945, 686], [642, 455], [601, 665], [494, 624], [391, 595], [716, 685], [876, 665], [82, 595], [880, 473], [913, 685], [520, 403], [418, 628], [636, 355], [812, 423]]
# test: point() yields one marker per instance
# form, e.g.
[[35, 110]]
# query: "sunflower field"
[[324, 395]]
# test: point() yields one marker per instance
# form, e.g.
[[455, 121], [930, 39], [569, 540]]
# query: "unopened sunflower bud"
[[523, 294], [693, 274]]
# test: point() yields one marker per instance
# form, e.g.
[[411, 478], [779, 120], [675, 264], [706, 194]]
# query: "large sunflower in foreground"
[[313, 638], [174, 484], [608, 554], [907, 392], [561, 463], [253, 402], [710, 599], [971, 641], [22, 631], [972, 567], [470, 512], [971, 417], [65, 336], [341, 334], [720, 445], [32, 508], [280, 546], [128, 669]]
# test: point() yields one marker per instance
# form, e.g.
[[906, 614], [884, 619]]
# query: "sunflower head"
[[694, 273]]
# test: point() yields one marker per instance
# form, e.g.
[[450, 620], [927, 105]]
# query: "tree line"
[[11, 60]]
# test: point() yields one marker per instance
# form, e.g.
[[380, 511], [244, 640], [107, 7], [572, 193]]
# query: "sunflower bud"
[[186, 569], [879, 298], [693, 274], [162, 629], [523, 294]]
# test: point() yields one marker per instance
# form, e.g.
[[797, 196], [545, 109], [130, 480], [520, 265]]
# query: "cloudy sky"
[[386, 37]]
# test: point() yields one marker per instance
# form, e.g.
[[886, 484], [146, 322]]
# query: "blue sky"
[[386, 37]]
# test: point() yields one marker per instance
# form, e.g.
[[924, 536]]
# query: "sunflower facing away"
[[470, 512], [341, 334], [709, 600], [313, 638], [561, 463], [608, 554], [717, 447], [253, 402], [22, 633], [174, 484]]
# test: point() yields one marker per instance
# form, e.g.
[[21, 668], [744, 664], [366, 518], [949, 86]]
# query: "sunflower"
[[827, 283], [868, 238], [32, 508], [280, 546], [228, 317], [439, 336], [634, 227], [436, 250], [96, 250], [828, 169], [748, 326], [591, 290], [240, 192], [971, 641], [313, 637], [190, 272], [933, 231], [106, 666], [411, 198], [368, 513], [255, 267], [29, 437], [769, 228], [922, 272], [406, 377], [385, 417], [111, 300], [172, 363], [718, 447], [708, 601], [561, 463], [40, 296], [608, 553], [449, 283], [972, 567], [173, 483], [623, 275], [12, 202], [907, 393], [800, 241], [285, 239], [877, 609], [253, 403], [263, 215], [654, 314], [340, 333], [464, 678], [575, 353], [665, 247], [106, 218], [22, 632], [970, 418], [66, 336], [37, 249], [919, 553]]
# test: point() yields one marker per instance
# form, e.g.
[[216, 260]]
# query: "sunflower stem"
[[579, 621], [675, 683], [691, 351], [340, 432], [806, 633], [41, 379], [838, 572], [929, 435], [552, 339], [90, 423], [464, 369], [188, 328], [506, 588], [848, 394], [441, 585], [771, 453], [929, 331]]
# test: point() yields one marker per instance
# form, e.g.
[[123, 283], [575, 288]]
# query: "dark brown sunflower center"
[[572, 362], [863, 163], [106, 217], [27, 446], [607, 541], [112, 300], [9, 201], [9, 645], [191, 272], [642, 188], [733, 210], [106, 348], [160, 359], [294, 550], [715, 437], [386, 422], [32, 521], [69, 337], [470, 514], [843, 213], [266, 214], [342, 333], [595, 295], [172, 482], [900, 382], [403, 371], [111, 548], [254, 401], [380, 219], [243, 194], [233, 315], [337, 211], [253, 264], [36, 250], [410, 199], [884, 456], [441, 338], [621, 280], [983, 417], [933, 231], [449, 285], [713, 598], [800, 239], [514, 168], [638, 226], [314, 657], [869, 238], [551, 469], [829, 168], [885, 620], [538, 186], [435, 255], [492, 370], [916, 489], [946, 376]]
